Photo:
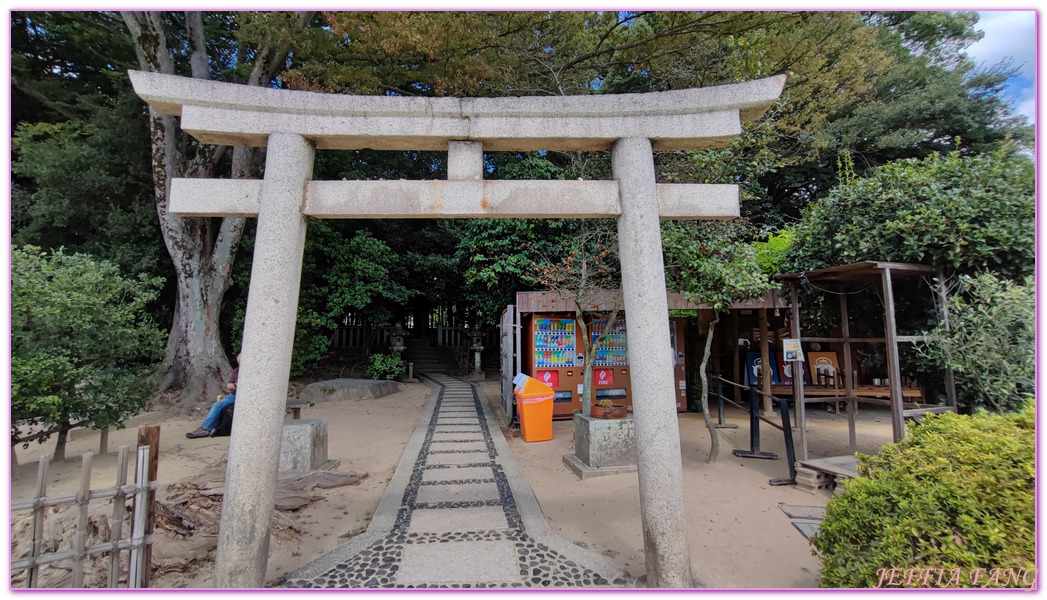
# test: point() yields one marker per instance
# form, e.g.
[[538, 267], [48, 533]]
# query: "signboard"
[[754, 368], [791, 349], [549, 378], [604, 377]]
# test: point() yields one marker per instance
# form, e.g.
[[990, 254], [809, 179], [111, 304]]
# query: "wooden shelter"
[[883, 274]]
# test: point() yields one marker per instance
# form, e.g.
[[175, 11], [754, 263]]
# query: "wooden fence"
[[138, 542]]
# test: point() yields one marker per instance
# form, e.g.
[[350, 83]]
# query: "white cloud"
[[1008, 34]]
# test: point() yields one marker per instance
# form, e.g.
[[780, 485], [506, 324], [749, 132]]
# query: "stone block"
[[347, 389], [602, 446], [604, 442], [304, 445]]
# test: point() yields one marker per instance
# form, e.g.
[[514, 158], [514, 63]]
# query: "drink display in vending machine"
[[554, 343], [555, 358]]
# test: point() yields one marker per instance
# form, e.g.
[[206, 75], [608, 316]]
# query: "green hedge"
[[957, 493], [386, 366]]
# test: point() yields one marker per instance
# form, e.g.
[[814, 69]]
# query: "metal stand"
[[719, 397], [754, 431], [790, 453]]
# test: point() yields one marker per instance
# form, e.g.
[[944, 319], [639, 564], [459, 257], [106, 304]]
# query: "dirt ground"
[[738, 537]]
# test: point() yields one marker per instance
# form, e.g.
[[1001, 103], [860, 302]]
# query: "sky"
[[1010, 34]]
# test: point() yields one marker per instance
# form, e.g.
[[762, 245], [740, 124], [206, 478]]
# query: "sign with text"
[[549, 378], [604, 376], [791, 349]]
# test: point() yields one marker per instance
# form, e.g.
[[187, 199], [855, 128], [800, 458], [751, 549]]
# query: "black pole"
[[754, 421], [790, 452], [719, 398], [754, 430]]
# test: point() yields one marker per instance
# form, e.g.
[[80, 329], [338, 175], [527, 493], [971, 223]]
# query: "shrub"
[[386, 366], [958, 492]]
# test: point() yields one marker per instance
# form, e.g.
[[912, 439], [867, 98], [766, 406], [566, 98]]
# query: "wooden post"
[[138, 567], [894, 371], [117, 525], [765, 360], [38, 520], [736, 359], [83, 500], [801, 406], [943, 301], [847, 373], [149, 436]]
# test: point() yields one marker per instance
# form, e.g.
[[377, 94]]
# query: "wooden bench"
[[295, 407]]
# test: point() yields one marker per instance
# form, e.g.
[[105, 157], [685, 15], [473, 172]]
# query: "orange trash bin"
[[534, 404]]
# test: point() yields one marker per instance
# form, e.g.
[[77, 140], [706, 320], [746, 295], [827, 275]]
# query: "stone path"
[[457, 514]]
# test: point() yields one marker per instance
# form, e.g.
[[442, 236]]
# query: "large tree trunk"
[[202, 249], [714, 450]]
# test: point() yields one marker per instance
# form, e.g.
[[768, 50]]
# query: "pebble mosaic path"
[[457, 514]]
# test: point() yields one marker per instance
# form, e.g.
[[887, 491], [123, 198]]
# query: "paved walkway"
[[458, 513]]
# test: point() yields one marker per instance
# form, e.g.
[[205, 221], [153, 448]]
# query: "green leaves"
[[81, 339], [714, 262], [386, 366], [964, 214], [990, 343]]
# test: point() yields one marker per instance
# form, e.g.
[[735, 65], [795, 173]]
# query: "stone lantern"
[[397, 338], [476, 345]]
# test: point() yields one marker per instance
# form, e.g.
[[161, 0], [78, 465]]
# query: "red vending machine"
[[611, 379], [555, 358]]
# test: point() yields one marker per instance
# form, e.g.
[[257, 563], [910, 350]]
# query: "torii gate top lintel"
[[233, 114]]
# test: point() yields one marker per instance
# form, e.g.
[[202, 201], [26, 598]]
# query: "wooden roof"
[[862, 271], [547, 301]]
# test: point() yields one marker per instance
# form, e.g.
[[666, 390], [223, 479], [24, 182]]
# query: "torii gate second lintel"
[[294, 124]]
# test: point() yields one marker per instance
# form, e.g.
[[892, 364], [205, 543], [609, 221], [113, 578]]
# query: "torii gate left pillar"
[[294, 124]]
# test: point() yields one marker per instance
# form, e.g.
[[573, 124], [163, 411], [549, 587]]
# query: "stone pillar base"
[[602, 447], [304, 445]]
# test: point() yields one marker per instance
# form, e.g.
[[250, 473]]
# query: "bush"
[[386, 366], [957, 493]]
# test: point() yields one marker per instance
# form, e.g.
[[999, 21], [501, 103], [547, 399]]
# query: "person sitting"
[[204, 430]]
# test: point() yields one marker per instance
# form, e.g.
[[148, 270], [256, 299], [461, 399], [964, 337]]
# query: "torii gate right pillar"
[[660, 467]]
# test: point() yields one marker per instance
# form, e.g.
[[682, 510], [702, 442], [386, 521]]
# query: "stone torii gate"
[[293, 124]]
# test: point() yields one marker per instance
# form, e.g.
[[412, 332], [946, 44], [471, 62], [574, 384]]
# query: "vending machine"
[[553, 359], [556, 359]]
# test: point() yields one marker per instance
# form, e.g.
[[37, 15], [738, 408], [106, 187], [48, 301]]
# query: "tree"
[[80, 152], [587, 272], [962, 214], [990, 343], [712, 262], [83, 185], [342, 276], [81, 343], [252, 48]]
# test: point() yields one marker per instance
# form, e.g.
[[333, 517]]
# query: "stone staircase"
[[428, 358]]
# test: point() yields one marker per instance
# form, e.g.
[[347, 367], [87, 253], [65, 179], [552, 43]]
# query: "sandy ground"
[[738, 537], [367, 436], [737, 534]]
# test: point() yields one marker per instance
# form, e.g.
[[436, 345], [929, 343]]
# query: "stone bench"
[[295, 407]]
